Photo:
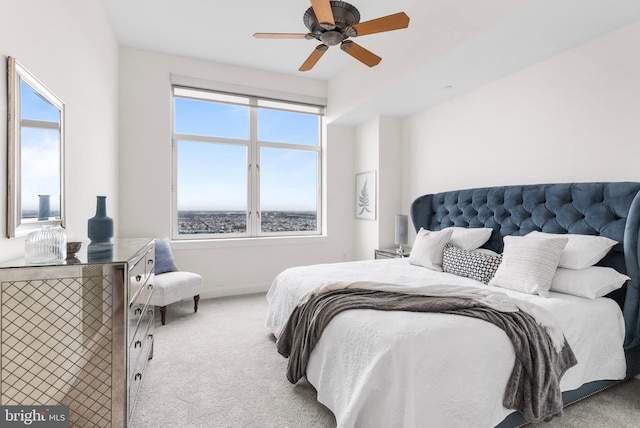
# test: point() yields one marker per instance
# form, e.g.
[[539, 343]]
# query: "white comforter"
[[403, 369]]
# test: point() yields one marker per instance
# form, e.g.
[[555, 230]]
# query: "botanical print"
[[366, 195]]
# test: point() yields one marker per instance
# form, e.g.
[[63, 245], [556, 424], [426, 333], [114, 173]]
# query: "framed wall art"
[[366, 195]]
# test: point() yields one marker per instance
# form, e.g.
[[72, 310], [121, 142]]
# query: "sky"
[[214, 176], [40, 149]]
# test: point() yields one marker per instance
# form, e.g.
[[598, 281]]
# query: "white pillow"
[[528, 264], [581, 251], [592, 282], [428, 248], [486, 251], [469, 238]]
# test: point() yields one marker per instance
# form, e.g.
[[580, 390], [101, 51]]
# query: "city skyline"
[[235, 222]]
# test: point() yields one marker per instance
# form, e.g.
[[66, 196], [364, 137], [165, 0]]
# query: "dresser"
[[79, 333], [391, 253]]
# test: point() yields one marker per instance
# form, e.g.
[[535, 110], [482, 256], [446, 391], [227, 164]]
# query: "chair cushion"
[[172, 287]]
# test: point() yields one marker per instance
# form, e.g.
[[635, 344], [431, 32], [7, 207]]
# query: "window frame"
[[253, 145]]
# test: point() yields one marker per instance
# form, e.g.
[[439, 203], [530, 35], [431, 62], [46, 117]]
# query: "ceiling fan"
[[332, 23]]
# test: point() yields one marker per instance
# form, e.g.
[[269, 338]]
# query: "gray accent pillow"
[[471, 264], [164, 257], [529, 263]]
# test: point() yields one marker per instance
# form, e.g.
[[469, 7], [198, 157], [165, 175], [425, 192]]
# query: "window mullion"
[[206, 139], [40, 124], [254, 183], [290, 146]]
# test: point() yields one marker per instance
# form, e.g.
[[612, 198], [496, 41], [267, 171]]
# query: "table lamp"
[[402, 222]]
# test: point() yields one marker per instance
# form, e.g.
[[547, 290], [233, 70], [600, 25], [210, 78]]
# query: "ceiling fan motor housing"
[[344, 16]]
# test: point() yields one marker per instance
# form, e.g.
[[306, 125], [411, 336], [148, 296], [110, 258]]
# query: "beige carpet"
[[219, 368]]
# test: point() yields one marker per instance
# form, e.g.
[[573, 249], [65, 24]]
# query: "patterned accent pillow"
[[470, 264]]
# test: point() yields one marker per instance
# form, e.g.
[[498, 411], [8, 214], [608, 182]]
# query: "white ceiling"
[[222, 31], [487, 40]]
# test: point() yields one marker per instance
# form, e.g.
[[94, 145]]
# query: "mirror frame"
[[16, 225]]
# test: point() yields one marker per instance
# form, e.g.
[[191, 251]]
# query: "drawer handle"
[[137, 311], [150, 286], [150, 261], [137, 344], [150, 336], [138, 277], [138, 376]]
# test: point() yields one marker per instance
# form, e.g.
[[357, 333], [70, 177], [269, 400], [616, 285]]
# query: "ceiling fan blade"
[[324, 13], [314, 57], [396, 21], [361, 54], [279, 36]]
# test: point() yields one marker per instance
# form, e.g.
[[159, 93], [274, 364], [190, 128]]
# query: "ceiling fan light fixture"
[[331, 38]]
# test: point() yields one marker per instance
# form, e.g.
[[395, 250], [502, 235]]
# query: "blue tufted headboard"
[[607, 209]]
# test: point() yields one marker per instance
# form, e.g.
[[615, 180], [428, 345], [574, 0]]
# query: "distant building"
[[195, 222]]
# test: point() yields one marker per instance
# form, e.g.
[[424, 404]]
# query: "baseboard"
[[234, 290]]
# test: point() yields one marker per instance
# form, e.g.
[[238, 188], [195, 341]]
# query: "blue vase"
[[100, 227], [44, 210]]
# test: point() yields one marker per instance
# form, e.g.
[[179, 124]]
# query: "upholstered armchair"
[[172, 285]]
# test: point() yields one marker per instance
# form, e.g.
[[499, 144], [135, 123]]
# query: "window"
[[39, 146], [245, 166]]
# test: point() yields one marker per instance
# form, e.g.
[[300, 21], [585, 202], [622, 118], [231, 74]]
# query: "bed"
[[400, 368]]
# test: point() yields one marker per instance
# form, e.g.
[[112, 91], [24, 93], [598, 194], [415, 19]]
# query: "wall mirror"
[[35, 184]]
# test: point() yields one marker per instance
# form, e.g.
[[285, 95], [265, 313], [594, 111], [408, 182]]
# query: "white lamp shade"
[[402, 222]]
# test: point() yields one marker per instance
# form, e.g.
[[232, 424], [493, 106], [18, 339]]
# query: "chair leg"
[[196, 299], [163, 314]]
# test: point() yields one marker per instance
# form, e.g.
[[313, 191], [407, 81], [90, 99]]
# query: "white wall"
[[367, 158], [378, 147], [69, 46], [571, 118], [390, 180], [232, 266]]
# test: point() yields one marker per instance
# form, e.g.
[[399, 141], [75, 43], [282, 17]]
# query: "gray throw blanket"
[[533, 387]]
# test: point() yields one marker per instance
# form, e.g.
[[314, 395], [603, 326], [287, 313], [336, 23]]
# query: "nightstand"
[[391, 253]]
